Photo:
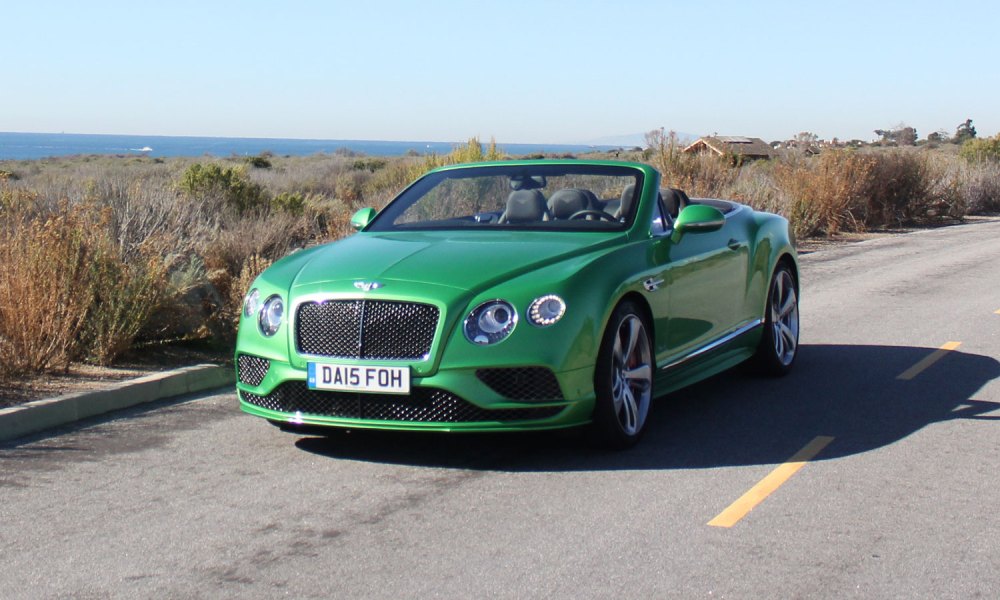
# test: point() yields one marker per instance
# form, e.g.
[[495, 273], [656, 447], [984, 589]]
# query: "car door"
[[705, 277]]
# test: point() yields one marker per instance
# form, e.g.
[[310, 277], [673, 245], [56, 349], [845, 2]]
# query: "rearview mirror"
[[362, 218], [697, 218]]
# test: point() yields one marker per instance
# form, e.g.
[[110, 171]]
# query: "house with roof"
[[739, 148]]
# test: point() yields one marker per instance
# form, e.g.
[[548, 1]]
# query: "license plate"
[[359, 378]]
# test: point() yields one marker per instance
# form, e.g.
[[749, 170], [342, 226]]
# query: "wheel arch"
[[787, 260], [640, 301], [772, 248]]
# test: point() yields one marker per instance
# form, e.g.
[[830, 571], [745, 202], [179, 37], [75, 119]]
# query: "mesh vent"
[[252, 369], [424, 405], [523, 383], [366, 329]]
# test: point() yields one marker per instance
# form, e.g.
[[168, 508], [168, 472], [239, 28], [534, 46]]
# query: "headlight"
[[490, 322], [252, 303], [546, 310], [270, 315]]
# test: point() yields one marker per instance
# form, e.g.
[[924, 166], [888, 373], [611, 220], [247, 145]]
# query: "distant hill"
[[630, 140]]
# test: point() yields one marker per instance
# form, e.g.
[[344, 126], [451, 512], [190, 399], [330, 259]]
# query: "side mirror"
[[362, 218], [697, 218]]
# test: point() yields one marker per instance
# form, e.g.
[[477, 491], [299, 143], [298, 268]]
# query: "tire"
[[779, 345], [623, 379]]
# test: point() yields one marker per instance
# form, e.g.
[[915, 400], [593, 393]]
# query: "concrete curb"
[[18, 421]]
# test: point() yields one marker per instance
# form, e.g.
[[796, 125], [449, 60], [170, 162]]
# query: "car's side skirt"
[[741, 330], [715, 357]]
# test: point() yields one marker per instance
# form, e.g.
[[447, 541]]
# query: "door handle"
[[734, 244]]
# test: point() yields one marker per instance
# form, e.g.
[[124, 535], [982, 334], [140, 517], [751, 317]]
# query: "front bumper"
[[466, 399]]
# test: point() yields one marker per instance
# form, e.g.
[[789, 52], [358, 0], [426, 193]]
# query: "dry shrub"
[[755, 187], [332, 218], [266, 235], [71, 287], [348, 186], [700, 175], [898, 190], [386, 183], [125, 296], [45, 292], [979, 186], [252, 267], [820, 192]]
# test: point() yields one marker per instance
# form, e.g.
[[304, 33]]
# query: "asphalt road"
[[195, 499]]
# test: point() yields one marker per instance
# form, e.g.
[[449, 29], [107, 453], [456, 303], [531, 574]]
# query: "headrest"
[[524, 206], [524, 182], [566, 202], [672, 201]]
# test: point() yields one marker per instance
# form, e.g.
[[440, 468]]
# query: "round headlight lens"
[[252, 303], [546, 310], [490, 322], [270, 315]]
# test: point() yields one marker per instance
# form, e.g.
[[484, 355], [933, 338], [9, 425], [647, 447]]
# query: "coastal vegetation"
[[104, 255]]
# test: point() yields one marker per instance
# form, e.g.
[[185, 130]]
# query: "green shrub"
[[981, 149], [259, 162], [226, 184], [289, 202], [369, 164]]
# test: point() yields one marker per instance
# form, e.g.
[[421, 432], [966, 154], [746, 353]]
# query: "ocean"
[[21, 146]]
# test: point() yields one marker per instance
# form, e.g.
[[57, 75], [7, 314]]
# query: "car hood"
[[461, 260]]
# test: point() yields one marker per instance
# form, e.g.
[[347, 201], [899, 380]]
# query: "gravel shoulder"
[[79, 378]]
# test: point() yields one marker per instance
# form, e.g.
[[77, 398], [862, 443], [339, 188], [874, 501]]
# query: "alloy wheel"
[[632, 374], [784, 317]]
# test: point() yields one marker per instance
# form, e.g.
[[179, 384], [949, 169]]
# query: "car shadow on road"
[[849, 392]]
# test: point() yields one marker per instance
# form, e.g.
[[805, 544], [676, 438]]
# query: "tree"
[[906, 136], [937, 137], [806, 139], [964, 132], [662, 145], [900, 135]]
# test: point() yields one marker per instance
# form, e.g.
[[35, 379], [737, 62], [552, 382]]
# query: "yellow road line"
[[767, 486], [928, 360]]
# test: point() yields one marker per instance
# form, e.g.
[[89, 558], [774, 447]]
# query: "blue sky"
[[520, 71]]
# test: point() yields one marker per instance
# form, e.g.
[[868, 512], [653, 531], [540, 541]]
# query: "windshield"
[[574, 197]]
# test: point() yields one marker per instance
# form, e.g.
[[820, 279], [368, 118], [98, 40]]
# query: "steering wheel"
[[600, 214]]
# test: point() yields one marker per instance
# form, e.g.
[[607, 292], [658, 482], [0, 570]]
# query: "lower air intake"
[[423, 405]]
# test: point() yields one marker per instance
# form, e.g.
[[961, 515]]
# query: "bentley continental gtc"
[[519, 295]]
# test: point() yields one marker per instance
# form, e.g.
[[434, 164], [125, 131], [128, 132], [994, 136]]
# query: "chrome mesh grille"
[[252, 369], [423, 405], [366, 329], [522, 383]]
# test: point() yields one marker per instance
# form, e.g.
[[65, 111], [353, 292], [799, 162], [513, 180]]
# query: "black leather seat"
[[568, 201], [674, 201], [525, 206], [628, 198]]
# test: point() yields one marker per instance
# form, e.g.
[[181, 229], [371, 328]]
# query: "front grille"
[[522, 383], [423, 405], [252, 369], [366, 329]]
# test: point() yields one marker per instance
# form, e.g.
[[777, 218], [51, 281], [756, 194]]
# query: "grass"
[[99, 255]]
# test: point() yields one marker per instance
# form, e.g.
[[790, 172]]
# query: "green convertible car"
[[519, 295]]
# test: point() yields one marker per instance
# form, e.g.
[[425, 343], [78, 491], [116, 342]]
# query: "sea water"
[[20, 146]]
